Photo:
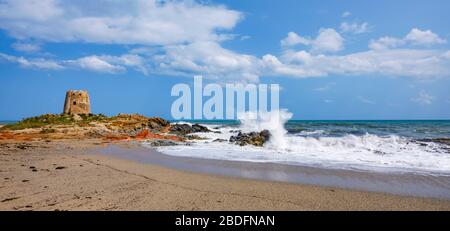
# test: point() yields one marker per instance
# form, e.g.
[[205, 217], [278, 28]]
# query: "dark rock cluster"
[[183, 129], [159, 143], [157, 123], [445, 141], [252, 138]]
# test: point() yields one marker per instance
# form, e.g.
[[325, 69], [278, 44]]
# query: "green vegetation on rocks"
[[53, 119], [121, 122], [40, 121]]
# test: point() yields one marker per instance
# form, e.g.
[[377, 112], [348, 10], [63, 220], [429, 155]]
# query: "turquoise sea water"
[[418, 129], [384, 145], [3, 122]]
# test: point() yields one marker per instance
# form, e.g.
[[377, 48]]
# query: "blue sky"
[[333, 59]]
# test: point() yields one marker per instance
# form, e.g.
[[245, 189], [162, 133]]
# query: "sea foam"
[[272, 121], [363, 152]]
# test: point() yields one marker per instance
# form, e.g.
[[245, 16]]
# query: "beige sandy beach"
[[68, 175]]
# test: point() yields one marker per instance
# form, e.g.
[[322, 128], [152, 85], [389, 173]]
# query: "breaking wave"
[[315, 147]]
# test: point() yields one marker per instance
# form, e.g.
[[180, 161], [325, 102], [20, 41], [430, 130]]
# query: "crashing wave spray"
[[272, 121]]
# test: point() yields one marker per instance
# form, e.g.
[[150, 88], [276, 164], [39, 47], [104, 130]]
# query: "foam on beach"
[[371, 152]]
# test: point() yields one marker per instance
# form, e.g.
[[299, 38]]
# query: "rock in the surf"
[[445, 141], [183, 129], [159, 143], [252, 138]]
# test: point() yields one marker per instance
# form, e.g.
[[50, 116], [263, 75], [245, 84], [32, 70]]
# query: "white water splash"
[[272, 121], [366, 152]]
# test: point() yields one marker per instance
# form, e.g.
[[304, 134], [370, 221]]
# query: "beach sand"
[[70, 175]]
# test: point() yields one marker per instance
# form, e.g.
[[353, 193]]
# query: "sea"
[[402, 146], [412, 146], [4, 122]]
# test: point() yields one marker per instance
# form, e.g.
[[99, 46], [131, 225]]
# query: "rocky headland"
[[56, 162], [122, 127]]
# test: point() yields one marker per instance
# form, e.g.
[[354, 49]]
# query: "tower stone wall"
[[77, 102]]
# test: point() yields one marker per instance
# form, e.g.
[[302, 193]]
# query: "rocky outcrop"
[[220, 140], [157, 123], [193, 137], [445, 141], [184, 129], [252, 138], [132, 124], [160, 143], [79, 126]]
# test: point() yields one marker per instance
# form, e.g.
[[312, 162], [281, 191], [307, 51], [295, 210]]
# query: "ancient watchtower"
[[77, 102]]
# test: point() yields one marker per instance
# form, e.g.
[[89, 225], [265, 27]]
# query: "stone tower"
[[77, 102]]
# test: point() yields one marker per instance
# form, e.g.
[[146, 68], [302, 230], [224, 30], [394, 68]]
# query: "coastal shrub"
[[40, 121], [132, 122], [52, 119], [93, 118]]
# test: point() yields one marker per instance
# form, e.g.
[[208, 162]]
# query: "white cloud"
[[423, 98], [294, 39], [109, 64], [245, 37], [127, 60], [328, 40], [363, 99], [396, 62], [97, 64], [20, 11], [385, 43], [355, 28], [26, 47], [326, 87], [183, 38], [101, 64], [149, 22], [273, 66], [415, 37], [183, 33], [213, 61], [447, 55], [346, 14], [297, 57], [427, 37], [32, 63], [207, 58]]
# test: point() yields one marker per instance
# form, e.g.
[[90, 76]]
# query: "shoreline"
[[71, 175], [397, 183]]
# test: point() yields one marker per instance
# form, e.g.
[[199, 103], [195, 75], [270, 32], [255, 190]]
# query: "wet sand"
[[73, 175], [393, 182]]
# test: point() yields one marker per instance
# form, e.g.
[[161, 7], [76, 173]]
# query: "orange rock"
[[146, 134], [18, 137], [143, 134]]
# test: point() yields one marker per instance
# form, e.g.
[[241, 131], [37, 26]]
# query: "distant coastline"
[[318, 120], [4, 122], [293, 120]]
